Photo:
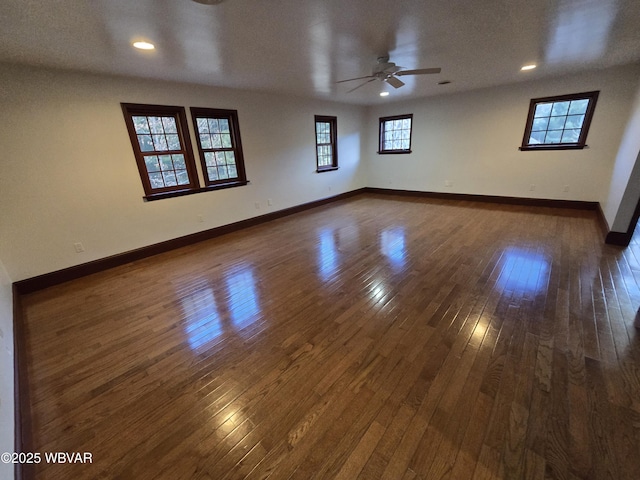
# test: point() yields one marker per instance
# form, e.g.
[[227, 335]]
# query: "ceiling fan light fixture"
[[384, 94], [531, 66]]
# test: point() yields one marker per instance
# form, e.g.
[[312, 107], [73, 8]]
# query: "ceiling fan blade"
[[419, 71], [362, 84], [357, 78], [394, 82]]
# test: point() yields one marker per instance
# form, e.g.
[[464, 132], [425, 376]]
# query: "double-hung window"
[[220, 147], [395, 134], [559, 123], [326, 143], [160, 139], [161, 144]]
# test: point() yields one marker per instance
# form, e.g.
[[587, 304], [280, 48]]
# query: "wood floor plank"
[[374, 337]]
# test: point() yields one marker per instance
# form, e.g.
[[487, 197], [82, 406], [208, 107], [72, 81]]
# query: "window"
[[326, 143], [219, 145], [557, 123], [160, 139], [395, 134]]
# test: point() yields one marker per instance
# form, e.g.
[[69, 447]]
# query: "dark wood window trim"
[[181, 150], [592, 98], [223, 162], [383, 129], [321, 142]]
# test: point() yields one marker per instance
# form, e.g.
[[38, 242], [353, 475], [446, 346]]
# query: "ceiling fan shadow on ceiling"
[[388, 72]]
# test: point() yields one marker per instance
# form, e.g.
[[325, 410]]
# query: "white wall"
[[624, 190], [69, 174], [472, 140], [6, 371]]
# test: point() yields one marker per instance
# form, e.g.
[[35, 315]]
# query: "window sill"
[[530, 148], [393, 152], [326, 169], [191, 191]]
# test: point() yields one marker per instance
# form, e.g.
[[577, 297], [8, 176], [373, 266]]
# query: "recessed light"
[[384, 94], [144, 45], [529, 67]]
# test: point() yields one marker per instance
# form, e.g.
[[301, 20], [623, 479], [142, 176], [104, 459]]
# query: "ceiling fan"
[[387, 71]]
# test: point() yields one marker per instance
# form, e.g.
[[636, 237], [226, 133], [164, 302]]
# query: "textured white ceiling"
[[302, 47]]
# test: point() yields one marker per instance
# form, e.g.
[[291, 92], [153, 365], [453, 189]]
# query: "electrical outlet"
[[269, 202], [257, 204], [200, 219], [566, 188], [448, 183], [79, 248], [532, 187]]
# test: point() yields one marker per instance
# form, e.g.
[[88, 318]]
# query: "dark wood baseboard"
[[22, 404], [535, 202], [619, 238], [602, 221], [60, 276]]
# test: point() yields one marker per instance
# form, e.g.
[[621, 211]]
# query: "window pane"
[[220, 160], [215, 141], [578, 106], [233, 171], [212, 172], [146, 145], [183, 177], [230, 157], [155, 124], [170, 179], [205, 140], [140, 124], [169, 124], [553, 136], [574, 121], [165, 162], [151, 162], [160, 143], [226, 140], [537, 137], [173, 142], [203, 125], [540, 124], [560, 108], [571, 136], [222, 173], [556, 123], [213, 125], [179, 162], [543, 110], [156, 180], [209, 159], [224, 125]]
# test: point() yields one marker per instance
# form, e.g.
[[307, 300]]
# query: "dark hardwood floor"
[[376, 337]]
